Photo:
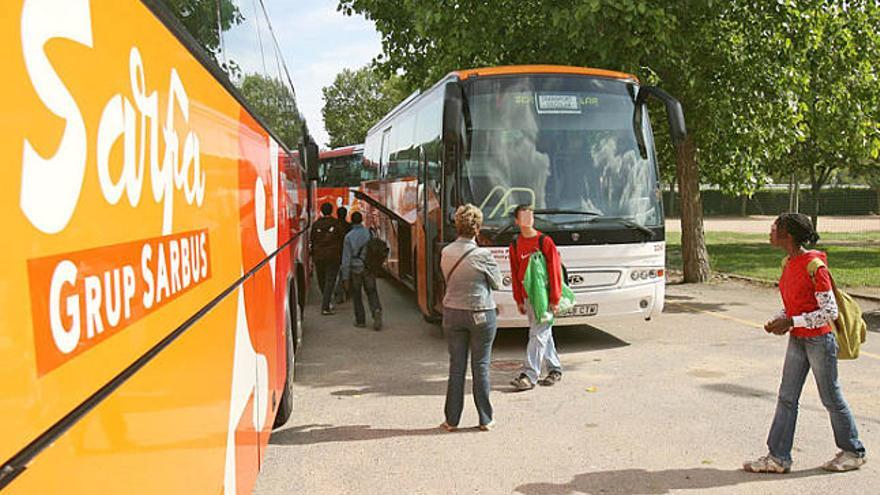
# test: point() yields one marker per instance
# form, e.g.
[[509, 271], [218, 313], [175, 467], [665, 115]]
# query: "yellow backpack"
[[849, 327]]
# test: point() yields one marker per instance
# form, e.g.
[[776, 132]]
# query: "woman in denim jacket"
[[469, 322]]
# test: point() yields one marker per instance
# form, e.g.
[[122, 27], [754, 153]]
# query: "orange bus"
[[155, 259], [575, 143], [341, 172]]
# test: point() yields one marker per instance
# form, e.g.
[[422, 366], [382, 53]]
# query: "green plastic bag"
[[536, 284]]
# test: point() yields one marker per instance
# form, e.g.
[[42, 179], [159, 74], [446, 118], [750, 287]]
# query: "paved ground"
[[668, 406], [761, 224]]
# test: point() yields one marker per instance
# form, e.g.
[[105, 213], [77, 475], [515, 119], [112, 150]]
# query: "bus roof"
[[343, 151], [542, 69]]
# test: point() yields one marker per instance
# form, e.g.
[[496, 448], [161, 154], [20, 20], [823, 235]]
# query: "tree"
[[814, 68], [275, 103], [356, 101]]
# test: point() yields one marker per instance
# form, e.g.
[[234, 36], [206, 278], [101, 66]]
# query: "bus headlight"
[[646, 274], [506, 281]]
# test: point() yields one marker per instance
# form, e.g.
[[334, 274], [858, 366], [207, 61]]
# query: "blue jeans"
[[364, 282], [541, 347], [472, 331], [820, 355]]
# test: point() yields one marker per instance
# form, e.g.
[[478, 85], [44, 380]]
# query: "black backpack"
[[327, 239], [375, 253], [541, 247]]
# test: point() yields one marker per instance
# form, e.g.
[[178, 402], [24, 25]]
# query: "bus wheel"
[[285, 408]]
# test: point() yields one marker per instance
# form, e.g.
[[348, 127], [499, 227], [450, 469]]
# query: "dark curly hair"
[[799, 227]]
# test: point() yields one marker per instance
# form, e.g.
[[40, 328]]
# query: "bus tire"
[[285, 407]]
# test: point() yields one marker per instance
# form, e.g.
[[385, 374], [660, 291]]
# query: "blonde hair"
[[468, 220]]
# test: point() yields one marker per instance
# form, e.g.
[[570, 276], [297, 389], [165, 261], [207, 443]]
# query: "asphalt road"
[[672, 405]]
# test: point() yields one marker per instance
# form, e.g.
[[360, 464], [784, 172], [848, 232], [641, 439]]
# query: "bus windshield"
[[564, 144], [344, 171]]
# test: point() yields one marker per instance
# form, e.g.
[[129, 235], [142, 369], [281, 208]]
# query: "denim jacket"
[[471, 285], [353, 250]]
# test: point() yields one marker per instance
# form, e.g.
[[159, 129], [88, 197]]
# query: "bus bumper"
[[643, 300]]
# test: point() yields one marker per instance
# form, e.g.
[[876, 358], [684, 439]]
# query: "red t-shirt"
[[799, 290], [519, 261]]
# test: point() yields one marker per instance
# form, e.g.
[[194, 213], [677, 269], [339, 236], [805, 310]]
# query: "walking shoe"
[[844, 461], [551, 379], [377, 320], [522, 383], [767, 464], [448, 427], [488, 426], [326, 312], [360, 325]]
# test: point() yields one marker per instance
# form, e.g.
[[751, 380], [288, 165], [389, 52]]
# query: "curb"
[[767, 283]]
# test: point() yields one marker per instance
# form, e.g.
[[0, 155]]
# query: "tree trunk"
[[672, 199], [744, 206], [693, 242]]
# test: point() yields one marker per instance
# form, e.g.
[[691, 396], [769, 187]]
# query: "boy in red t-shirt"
[[810, 310], [541, 346]]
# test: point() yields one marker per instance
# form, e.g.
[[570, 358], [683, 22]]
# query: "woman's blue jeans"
[[474, 332]]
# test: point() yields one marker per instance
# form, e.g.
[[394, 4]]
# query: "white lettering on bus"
[[149, 295], [65, 339], [51, 187]]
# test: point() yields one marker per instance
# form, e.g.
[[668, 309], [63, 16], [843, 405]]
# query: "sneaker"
[[522, 383], [327, 312], [767, 464], [360, 325], [448, 427], [844, 461], [551, 379], [488, 426], [377, 320]]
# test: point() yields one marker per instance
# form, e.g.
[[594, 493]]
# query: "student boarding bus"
[[340, 174], [155, 227], [574, 143]]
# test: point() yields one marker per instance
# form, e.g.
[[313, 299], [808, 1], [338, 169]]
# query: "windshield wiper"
[[567, 212], [628, 222], [502, 230]]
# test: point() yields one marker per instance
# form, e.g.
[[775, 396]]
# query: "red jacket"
[[799, 290], [519, 261]]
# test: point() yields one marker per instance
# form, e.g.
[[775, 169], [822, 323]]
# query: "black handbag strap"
[[465, 255]]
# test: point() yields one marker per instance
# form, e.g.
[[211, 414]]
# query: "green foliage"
[[276, 105], [356, 101], [766, 86]]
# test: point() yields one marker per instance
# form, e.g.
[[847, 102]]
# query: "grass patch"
[[854, 258]]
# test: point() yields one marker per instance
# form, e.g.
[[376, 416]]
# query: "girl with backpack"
[[809, 314]]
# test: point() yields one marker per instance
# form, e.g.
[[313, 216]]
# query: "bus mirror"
[[674, 112], [311, 159], [455, 115]]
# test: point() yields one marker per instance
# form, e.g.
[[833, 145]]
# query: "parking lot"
[[673, 405]]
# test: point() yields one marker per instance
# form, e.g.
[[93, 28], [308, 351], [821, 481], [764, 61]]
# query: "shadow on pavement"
[[318, 433], [580, 338], [409, 356], [872, 318], [743, 391], [685, 304], [644, 482]]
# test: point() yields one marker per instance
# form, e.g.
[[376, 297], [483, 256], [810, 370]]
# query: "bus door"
[[428, 286]]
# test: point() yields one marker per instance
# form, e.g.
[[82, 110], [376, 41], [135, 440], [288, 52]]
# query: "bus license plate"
[[582, 310]]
